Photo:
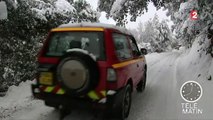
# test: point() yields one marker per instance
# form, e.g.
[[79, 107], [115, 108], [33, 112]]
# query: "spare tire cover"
[[77, 72]]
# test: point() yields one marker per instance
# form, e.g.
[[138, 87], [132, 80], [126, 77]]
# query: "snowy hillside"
[[161, 99]]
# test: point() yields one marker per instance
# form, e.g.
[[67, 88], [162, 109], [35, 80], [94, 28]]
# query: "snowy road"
[[160, 101]]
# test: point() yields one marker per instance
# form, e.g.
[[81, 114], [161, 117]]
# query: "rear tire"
[[123, 108]]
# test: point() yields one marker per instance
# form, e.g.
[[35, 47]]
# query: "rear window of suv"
[[60, 42]]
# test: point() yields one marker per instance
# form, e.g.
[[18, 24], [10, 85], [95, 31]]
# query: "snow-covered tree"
[[179, 10], [156, 35], [188, 30], [84, 11], [118, 9], [22, 34]]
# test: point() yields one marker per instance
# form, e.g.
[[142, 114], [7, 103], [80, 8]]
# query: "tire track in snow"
[[174, 91]]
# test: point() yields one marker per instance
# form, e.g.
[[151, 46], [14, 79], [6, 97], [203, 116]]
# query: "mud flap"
[[35, 91], [63, 111], [113, 103]]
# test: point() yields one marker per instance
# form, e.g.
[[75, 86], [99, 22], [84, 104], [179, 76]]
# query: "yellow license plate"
[[46, 78]]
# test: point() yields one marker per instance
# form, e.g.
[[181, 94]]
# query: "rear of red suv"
[[78, 65]]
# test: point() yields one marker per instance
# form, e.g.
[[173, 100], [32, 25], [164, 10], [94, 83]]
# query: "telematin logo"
[[191, 92]]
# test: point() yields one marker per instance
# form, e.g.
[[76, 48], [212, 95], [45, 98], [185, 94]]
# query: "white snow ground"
[[160, 101]]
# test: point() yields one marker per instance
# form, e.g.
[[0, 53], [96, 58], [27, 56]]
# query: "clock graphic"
[[191, 91]]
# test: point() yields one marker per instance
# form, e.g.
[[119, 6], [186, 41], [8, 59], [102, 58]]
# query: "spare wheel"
[[78, 73]]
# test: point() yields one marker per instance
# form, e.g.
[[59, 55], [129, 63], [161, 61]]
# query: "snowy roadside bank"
[[196, 65], [19, 101]]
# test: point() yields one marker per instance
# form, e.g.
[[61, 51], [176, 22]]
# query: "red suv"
[[90, 64]]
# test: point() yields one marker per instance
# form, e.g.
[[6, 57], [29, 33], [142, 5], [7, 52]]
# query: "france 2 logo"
[[194, 15]]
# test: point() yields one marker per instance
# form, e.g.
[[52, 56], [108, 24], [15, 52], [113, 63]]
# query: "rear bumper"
[[55, 100], [52, 99]]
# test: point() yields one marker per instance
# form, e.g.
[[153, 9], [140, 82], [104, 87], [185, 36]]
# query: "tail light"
[[111, 75]]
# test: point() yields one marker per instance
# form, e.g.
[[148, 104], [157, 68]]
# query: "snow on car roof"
[[88, 24]]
